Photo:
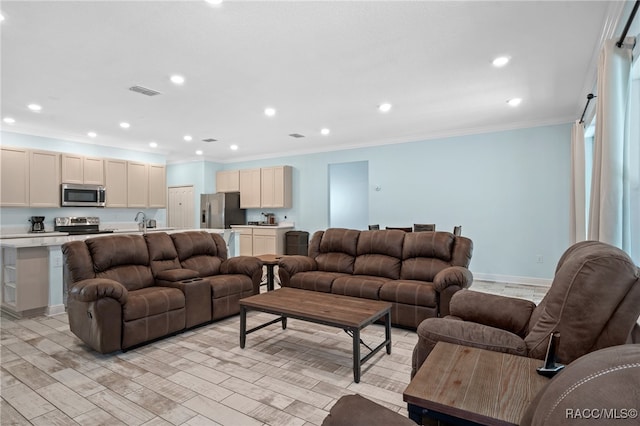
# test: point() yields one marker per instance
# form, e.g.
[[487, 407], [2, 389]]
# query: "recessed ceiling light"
[[9, 120], [269, 112], [177, 79], [514, 102], [125, 125], [214, 2], [34, 107], [500, 61], [187, 138], [325, 131], [233, 147], [92, 134], [1, 17], [198, 152], [153, 144], [385, 107]]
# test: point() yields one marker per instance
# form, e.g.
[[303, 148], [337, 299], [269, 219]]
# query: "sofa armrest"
[[506, 313], [297, 263], [197, 298], [452, 276], [175, 275], [245, 265], [96, 288]]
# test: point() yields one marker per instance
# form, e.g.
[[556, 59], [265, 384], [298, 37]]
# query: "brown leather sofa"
[[126, 290], [594, 302], [417, 272]]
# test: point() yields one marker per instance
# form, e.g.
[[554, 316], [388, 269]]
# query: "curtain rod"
[[589, 97], [628, 24]]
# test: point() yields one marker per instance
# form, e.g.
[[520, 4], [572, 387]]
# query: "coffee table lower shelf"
[[319, 312]]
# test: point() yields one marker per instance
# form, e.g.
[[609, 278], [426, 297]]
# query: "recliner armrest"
[[245, 265], [453, 275], [297, 263], [96, 288], [505, 313], [175, 275]]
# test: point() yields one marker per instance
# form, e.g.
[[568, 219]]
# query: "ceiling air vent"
[[296, 135], [209, 140], [144, 90]]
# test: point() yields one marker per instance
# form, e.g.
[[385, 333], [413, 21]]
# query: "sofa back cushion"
[[162, 253], [336, 249], [123, 258], [424, 254], [379, 253], [200, 251]]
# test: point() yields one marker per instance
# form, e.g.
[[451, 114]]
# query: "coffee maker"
[[37, 224]]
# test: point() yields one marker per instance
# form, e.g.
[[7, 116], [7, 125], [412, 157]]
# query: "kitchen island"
[[31, 281]]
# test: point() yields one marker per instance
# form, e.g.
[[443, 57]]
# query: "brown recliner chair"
[[594, 302]]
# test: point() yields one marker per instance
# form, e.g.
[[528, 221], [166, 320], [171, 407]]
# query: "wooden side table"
[[270, 261], [470, 386]]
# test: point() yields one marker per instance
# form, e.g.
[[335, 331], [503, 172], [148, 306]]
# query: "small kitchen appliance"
[[79, 225], [37, 224]]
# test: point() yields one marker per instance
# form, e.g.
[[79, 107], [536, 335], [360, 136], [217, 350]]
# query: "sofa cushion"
[[152, 301], [315, 280], [379, 253], [364, 286], [226, 285], [410, 292], [428, 244], [162, 252], [337, 250], [122, 258]]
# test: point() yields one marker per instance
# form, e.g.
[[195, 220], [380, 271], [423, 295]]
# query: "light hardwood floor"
[[200, 377]]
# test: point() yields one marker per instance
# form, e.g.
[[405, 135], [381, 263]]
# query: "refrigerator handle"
[[205, 215]]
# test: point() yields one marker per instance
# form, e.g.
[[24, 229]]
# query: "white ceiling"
[[320, 64]]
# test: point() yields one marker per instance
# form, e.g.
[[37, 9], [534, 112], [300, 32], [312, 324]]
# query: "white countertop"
[[278, 226], [59, 238]]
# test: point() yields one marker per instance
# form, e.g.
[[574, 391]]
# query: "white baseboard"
[[54, 310], [513, 279]]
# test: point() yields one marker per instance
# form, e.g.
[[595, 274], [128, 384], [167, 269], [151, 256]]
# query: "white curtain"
[[578, 202], [610, 207]]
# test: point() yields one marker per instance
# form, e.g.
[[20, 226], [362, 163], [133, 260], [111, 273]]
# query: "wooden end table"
[[470, 386], [352, 314], [270, 261]]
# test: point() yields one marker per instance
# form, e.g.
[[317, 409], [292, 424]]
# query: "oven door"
[[73, 195]]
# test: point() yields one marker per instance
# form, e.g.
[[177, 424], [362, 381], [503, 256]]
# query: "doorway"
[[180, 213], [349, 195]]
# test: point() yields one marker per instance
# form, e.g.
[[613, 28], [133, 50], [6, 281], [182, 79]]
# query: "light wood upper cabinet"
[[276, 185], [14, 177], [44, 179], [228, 181], [79, 169], [157, 186], [116, 182], [137, 184], [250, 188]]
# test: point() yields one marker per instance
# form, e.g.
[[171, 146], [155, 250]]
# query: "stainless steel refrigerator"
[[221, 210]]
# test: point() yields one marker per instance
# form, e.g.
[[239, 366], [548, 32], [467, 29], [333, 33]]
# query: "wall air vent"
[[209, 140], [296, 135], [144, 90]]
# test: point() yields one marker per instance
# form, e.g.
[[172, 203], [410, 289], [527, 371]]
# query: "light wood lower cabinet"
[[25, 280], [258, 240]]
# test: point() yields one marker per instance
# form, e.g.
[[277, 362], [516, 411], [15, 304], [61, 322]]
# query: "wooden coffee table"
[[352, 314], [464, 385]]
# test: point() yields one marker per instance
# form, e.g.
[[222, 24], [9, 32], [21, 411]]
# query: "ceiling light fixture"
[[214, 2], [153, 144], [385, 107], [514, 102], [199, 152], [9, 120], [500, 61], [187, 138], [92, 134], [34, 107], [1, 17], [233, 147], [125, 125], [325, 131], [177, 79], [269, 112]]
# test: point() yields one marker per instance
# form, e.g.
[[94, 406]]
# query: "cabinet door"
[[276, 187], [157, 186], [44, 179], [14, 177], [72, 168], [228, 181], [267, 185], [250, 188], [246, 245], [137, 184], [264, 244], [93, 170], [116, 182]]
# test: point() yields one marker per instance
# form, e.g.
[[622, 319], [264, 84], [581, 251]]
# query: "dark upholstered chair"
[[405, 229], [374, 227], [355, 410], [424, 227], [457, 231], [594, 302]]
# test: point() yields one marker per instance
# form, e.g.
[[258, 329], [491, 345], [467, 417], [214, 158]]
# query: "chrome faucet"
[[142, 226]]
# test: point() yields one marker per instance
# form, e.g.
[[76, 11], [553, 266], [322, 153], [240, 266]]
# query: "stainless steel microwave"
[[74, 195]]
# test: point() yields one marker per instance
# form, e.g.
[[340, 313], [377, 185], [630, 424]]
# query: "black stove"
[[79, 225]]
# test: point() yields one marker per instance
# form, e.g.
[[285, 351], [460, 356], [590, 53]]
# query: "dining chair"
[[405, 229], [421, 227], [374, 227], [457, 230]]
